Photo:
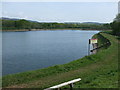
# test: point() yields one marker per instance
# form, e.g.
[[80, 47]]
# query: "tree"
[[22, 24], [25, 24], [8, 24], [116, 25], [117, 19]]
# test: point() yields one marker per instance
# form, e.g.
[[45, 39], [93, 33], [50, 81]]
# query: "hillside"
[[13, 24]]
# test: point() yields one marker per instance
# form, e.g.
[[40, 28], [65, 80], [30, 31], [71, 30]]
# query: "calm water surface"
[[24, 51]]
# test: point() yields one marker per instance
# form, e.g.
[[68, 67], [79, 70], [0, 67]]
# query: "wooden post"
[[58, 89], [89, 48], [71, 85]]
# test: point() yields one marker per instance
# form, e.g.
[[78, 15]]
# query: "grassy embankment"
[[96, 71]]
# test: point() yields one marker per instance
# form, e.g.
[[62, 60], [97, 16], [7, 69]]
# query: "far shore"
[[20, 30]]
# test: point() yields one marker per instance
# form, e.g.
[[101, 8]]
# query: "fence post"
[[71, 85], [89, 48]]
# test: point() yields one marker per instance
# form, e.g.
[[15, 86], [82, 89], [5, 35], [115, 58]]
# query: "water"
[[25, 51]]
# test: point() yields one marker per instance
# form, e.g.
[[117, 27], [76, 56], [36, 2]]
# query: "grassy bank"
[[96, 71]]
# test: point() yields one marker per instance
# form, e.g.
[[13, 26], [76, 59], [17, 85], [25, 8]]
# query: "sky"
[[60, 0], [103, 12]]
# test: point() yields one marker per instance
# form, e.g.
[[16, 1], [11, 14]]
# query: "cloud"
[[18, 15]]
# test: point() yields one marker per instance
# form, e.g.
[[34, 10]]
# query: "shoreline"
[[21, 30], [70, 71]]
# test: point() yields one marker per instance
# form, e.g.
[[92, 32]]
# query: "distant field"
[[96, 71]]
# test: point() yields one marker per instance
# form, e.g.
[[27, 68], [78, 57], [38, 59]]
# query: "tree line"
[[116, 25], [25, 24]]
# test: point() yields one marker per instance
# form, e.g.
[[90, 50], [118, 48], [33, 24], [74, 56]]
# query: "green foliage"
[[24, 24], [117, 19], [101, 39], [8, 24], [107, 26], [116, 25]]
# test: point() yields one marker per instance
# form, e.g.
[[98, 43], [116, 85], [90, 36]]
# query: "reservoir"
[[31, 50]]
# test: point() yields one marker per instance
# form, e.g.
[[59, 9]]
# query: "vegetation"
[[96, 71], [8, 25], [116, 25], [102, 40]]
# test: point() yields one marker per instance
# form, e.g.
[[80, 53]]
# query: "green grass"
[[101, 39], [96, 71]]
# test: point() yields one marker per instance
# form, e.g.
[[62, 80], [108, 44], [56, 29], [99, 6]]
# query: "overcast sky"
[[60, 0], [62, 11]]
